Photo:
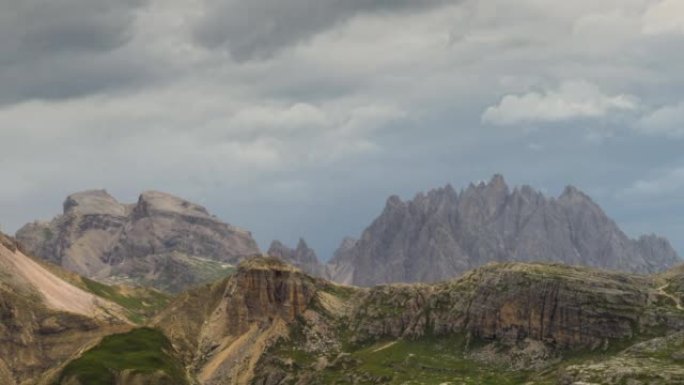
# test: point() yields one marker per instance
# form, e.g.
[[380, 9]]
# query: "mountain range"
[[443, 233], [269, 323], [490, 285], [168, 243], [161, 241]]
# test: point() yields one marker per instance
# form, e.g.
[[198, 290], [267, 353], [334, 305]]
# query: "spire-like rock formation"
[[443, 233], [303, 257], [161, 240]]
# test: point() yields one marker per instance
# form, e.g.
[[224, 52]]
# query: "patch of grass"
[[144, 350], [342, 292], [427, 361], [141, 303]]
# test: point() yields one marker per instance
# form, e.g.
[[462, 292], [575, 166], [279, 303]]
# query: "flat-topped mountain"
[[444, 233], [161, 241]]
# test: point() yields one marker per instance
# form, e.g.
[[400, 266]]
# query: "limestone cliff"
[[160, 241], [224, 329], [271, 324], [564, 307]]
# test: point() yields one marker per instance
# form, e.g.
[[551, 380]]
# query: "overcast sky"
[[300, 117]]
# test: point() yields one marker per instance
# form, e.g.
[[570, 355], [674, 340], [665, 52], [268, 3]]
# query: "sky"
[[298, 118]]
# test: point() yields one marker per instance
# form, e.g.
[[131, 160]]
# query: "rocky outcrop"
[[162, 240], [246, 315], [659, 361], [270, 323], [443, 233], [303, 257], [563, 307]]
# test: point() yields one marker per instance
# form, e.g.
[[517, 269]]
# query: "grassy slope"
[[439, 361], [142, 350], [141, 303]]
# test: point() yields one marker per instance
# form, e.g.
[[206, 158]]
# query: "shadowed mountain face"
[[160, 241], [444, 233]]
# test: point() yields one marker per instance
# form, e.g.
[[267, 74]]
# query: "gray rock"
[[302, 257], [161, 240], [444, 233]]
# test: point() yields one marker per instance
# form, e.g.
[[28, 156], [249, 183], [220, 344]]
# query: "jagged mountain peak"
[[302, 245], [441, 234], [394, 201], [302, 256], [572, 193]]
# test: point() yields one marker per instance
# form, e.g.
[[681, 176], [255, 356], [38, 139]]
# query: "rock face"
[[44, 320], [271, 324], [659, 361], [161, 241], [444, 233], [565, 307], [241, 317], [302, 257]]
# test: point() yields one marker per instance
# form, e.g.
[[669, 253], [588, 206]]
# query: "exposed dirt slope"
[[44, 320]]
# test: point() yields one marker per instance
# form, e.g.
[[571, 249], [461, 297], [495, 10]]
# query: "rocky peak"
[[394, 202], [498, 182], [573, 194], [346, 244], [657, 250], [303, 256], [161, 240], [151, 202], [484, 200], [93, 202], [265, 288], [439, 235], [276, 248], [302, 246]]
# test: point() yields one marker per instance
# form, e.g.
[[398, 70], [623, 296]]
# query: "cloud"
[[66, 48], [259, 28], [65, 26], [666, 121], [279, 115], [663, 17], [573, 99], [664, 184]]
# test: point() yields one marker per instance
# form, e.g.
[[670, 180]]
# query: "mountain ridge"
[[272, 324], [444, 232], [161, 240]]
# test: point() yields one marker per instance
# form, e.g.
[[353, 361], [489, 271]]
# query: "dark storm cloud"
[[259, 28], [64, 48]]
